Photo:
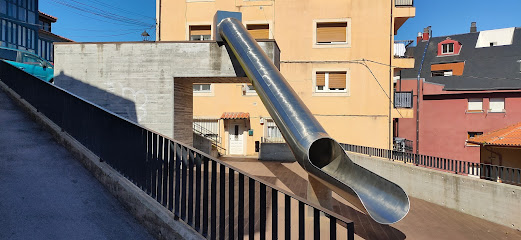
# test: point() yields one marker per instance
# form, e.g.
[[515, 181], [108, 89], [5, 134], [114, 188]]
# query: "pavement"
[[46, 194], [424, 221]]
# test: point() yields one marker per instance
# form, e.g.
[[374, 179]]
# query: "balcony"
[[403, 99], [403, 10], [403, 62]]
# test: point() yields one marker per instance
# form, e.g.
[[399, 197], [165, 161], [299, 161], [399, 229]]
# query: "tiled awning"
[[235, 115]]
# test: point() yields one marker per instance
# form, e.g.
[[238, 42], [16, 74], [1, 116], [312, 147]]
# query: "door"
[[236, 139]]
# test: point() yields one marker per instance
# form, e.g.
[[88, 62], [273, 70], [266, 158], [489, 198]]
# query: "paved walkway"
[[424, 221], [46, 194]]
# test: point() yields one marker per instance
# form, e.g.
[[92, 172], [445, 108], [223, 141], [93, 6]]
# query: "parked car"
[[29, 62]]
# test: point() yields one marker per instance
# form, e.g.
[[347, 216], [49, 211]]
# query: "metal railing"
[[202, 191], [402, 145], [403, 99], [482, 170], [214, 138], [404, 3]]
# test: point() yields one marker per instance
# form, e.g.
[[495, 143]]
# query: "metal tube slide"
[[315, 151]]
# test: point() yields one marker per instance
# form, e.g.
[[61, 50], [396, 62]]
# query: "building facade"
[[19, 24], [470, 85], [322, 53], [23, 27], [46, 38]]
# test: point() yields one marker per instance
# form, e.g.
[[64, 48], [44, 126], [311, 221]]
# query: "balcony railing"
[[207, 194], [404, 3], [485, 171], [402, 145], [403, 99]]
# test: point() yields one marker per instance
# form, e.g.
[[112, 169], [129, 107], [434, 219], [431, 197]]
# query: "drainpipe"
[[391, 49], [418, 94]]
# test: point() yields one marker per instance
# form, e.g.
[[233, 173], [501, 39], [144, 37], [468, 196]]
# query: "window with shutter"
[[497, 105], [331, 81], [259, 31], [332, 32], [475, 105], [200, 32]]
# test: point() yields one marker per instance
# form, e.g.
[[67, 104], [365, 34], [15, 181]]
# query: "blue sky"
[[131, 17]]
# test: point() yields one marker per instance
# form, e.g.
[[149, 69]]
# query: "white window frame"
[[346, 44], [246, 91], [203, 93], [474, 100], [331, 93], [496, 110], [443, 48], [270, 123]]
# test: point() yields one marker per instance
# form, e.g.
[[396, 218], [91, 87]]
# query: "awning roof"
[[235, 115], [509, 136]]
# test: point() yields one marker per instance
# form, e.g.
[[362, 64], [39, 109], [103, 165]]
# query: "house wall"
[[445, 122], [359, 116]]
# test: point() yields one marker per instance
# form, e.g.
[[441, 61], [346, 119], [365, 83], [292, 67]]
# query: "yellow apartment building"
[[323, 45]]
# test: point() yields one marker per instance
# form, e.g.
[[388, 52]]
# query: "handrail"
[[169, 171], [216, 140], [491, 172]]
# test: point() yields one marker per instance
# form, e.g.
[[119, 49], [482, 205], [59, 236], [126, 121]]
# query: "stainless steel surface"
[[315, 151]]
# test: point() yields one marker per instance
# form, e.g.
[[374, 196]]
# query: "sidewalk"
[[46, 194]]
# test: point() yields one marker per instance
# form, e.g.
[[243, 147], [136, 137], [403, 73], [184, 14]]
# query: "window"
[[209, 128], [471, 135], [447, 48], [248, 89], [497, 105], [331, 32], [447, 69], [475, 105], [331, 82], [202, 87], [29, 59], [443, 73], [259, 31], [272, 133], [200, 33]]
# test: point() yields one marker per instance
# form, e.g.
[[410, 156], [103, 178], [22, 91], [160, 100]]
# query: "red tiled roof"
[[63, 39], [235, 115], [508, 136], [48, 16]]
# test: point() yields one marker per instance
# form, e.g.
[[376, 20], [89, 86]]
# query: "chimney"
[[473, 27], [426, 33], [419, 38]]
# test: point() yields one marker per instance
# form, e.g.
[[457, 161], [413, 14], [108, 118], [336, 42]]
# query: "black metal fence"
[[206, 193], [481, 170]]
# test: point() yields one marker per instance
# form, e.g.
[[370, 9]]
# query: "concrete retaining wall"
[[278, 152], [496, 202], [149, 83]]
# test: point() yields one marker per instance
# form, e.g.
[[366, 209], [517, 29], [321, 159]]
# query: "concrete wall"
[[202, 143], [492, 201], [147, 82], [278, 152]]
